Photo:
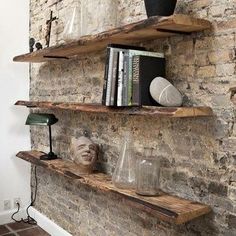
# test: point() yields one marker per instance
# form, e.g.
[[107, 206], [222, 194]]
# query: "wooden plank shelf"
[[166, 207], [144, 111], [149, 29]]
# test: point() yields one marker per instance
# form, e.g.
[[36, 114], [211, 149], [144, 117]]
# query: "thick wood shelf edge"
[[149, 29], [175, 112], [166, 207]]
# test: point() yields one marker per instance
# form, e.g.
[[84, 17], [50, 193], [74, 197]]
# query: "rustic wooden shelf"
[[166, 207], [144, 111], [152, 28]]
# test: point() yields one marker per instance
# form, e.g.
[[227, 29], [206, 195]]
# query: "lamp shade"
[[41, 119]]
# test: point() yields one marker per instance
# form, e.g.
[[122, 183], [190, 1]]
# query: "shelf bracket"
[[56, 57], [173, 31]]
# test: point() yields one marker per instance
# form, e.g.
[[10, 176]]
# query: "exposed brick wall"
[[198, 155]]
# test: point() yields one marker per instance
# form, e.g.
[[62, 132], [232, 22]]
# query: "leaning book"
[[145, 69], [130, 82]]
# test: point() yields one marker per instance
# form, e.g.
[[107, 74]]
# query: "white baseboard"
[[5, 217], [46, 224]]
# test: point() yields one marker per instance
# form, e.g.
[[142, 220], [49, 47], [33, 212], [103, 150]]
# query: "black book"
[[105, 77], [111, 72], [113, 77], [145, 69]]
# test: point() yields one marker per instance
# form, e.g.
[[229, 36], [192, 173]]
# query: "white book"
[[120, 79], [114, 77], [109, 79]]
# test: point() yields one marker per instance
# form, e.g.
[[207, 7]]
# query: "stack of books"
[[128, 73]]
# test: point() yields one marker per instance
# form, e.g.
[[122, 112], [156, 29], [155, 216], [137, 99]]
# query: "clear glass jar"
[[98, 15], [72, 23], [147, 174], [124, 174]]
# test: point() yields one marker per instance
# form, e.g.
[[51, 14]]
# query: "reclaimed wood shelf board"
[[149, 29], [166, 207], [177, 112]]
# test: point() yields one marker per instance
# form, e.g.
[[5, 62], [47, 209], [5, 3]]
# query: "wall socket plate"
[[7, 205], [17, 200]]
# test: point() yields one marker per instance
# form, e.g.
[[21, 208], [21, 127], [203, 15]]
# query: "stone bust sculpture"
[[85, 154]]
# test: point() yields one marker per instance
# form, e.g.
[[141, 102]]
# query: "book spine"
[[130, 82], [125, 79], [114, 78], [109, 78], [136, 81], [132, 53], [105, 77], [120, 78]]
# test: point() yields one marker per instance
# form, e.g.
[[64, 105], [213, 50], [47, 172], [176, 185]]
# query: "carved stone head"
[[85, 154]]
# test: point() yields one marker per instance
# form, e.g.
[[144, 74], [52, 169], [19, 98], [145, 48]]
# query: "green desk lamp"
[[44, 119]]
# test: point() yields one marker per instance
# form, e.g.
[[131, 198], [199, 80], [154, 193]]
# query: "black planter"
[[160, 7]]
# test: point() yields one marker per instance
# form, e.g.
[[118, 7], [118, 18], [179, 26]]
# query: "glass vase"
[[98, 15], [147, 174], [72, 29], [124, 174]]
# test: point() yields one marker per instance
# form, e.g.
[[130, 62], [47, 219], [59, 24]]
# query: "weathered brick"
[[218, 189], [220, 101], [188, 71], [225, 69], [219, 57], [181, 47], [199, 186], [201, 4], [232, 221], [206, 72], [201, 59], [215, 43], [232, 193], [217, 10]]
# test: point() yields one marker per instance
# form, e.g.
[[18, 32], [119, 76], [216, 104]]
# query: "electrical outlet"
[[16, 201], [7, 205]]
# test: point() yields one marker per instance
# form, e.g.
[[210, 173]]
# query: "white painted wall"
[[14, 85]]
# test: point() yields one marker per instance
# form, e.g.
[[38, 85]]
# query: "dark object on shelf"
[[38, 46], [160, 7], [49, 27], [31, 44], [44, 119]]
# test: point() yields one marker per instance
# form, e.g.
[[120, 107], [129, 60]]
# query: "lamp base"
[[48, 157]]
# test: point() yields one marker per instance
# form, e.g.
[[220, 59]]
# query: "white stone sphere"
[[164, 93]]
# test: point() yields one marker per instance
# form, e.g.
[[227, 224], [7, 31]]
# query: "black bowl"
[[160, 7]]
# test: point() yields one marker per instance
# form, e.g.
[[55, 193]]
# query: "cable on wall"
[[29, 219]]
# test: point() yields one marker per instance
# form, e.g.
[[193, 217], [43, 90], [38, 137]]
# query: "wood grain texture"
[[149, 29], [144, 111], [166, 207]]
